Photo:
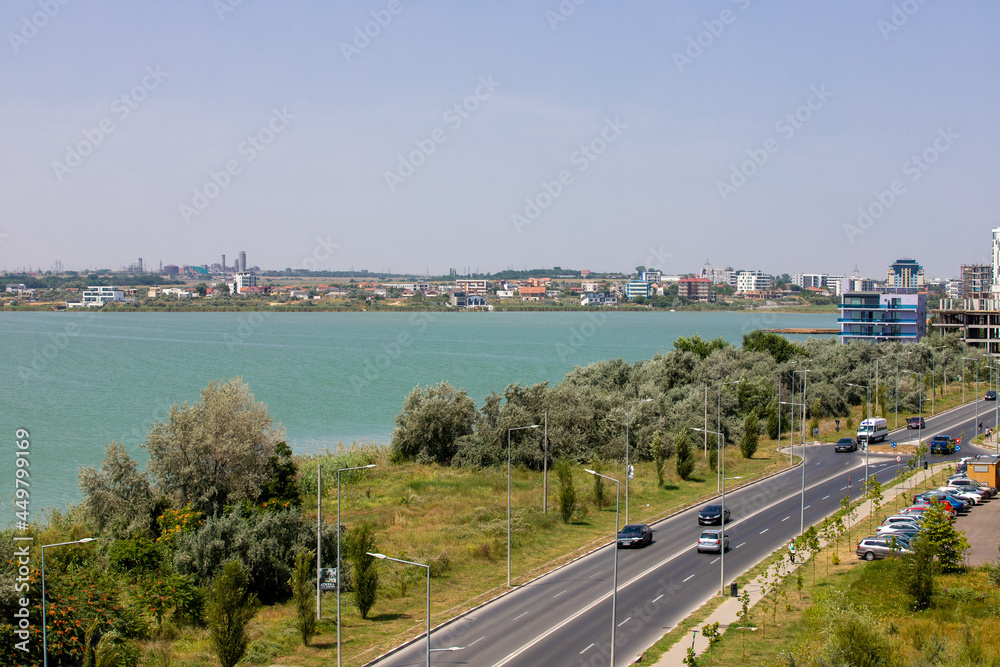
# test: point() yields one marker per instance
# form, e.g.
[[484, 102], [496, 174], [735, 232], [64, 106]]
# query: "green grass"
[[456, 519]]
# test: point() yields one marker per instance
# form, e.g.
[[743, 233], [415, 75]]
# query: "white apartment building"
[[751, 281]]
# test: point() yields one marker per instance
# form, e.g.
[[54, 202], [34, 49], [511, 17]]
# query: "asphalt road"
[[565, 617]]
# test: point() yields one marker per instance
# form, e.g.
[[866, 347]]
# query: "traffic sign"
[[898, 458], [894, 445], [958, 448]]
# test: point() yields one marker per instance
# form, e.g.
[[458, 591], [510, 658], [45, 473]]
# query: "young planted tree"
[[685, 456], [873, 491], [751, 435], [361, 541], [230, 608], [948, 543], [567, 490], [302, 595], [918, 570]]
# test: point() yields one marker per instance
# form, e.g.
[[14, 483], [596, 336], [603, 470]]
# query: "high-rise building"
[[905, 272], [977, 279], [242, 262], [223, 263]]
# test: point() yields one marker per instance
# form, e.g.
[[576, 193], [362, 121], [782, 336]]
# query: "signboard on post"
[[328, 579], [898, 458]]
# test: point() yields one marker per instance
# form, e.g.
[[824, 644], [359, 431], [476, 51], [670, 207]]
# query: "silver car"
[[881, 546], [710, 541]]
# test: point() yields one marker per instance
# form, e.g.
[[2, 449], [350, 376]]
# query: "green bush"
[[230, 609], [136, 555], [364, 571]]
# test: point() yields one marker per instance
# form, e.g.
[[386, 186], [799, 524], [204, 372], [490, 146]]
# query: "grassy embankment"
[[455, 519], [793, 626]]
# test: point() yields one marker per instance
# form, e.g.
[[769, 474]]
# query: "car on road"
[[711, 540], [916, 423], [990, 396], [635, 535], [942, 444], [712, 514], [877, 546], [846, 445]]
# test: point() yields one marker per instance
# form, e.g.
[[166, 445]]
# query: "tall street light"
[[45, 644], [867, 389], [976, 361], [628, 468], [428, 568], [339, 573], [722, 450], [614, 548], [805, 383], [779, 410], [519, 428], [896, 418], [920, 400], [722, 518], [934, 373]]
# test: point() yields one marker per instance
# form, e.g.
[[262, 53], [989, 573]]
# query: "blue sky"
[[596, 135]]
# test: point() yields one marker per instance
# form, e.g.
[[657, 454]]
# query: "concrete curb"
[[728, 612]]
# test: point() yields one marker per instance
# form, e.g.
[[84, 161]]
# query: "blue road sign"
[[958, 448], [894, 445]]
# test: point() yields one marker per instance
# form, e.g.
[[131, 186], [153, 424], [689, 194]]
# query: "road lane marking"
[[560, 593], [715, 561], [596, 574], [480, 639], [764, 531], [689, 578], [580, 612], [786, 518], [520, 615], [843, 488], [586, 649], [625, 621], [658, 597], [824, 497], [807, 507]]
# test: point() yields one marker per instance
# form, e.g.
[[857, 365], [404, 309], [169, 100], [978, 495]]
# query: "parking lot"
[[980, 526]]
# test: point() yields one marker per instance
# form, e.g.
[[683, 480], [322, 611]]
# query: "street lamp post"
[[805, 383], [614, 547], [920, 400], [45, 644], [628, 468], [976, 361], [896, 418], [519, 428], [791, 437], [428, 568], [868, 391], [934, 373], [722, 519], [339, 572], [722, 449]]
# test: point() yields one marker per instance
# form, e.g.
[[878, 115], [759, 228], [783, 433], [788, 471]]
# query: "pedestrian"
[[980, 425]]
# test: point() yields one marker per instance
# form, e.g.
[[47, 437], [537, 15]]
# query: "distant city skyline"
[[423, 136]]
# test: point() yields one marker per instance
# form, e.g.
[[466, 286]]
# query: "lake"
[[76, 381]]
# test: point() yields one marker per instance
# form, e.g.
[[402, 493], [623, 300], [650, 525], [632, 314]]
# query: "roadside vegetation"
[[220, 498], [921, 608]]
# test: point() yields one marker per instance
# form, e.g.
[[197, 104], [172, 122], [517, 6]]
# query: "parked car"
[[712, 514], [635, 535], [846, 445], [942, 444], [973, 495], [990, 396], [965, 482], [711, 540], [915, 422], [895, 528], [954, 505], [875, 547], [904, 519]]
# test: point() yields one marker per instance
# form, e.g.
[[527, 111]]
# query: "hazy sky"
[[415, 135]]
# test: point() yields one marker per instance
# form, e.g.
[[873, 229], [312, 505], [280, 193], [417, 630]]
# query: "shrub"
[[136, 555], [361, 541], [751, 434], [567, 490], [231, 607], [660, 454], [685, 457], [302, 595]]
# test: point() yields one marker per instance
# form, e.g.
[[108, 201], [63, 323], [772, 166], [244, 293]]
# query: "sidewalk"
[[728, 612]]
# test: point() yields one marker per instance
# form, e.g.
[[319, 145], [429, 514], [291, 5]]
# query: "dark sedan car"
[[991, 395], [846, 445], [635, 535], [712, 514], [916, 423]]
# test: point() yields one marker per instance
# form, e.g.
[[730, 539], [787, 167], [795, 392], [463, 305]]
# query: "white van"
[[872, 430]]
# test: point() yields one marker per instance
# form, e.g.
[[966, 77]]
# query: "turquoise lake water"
[[77, 381]]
